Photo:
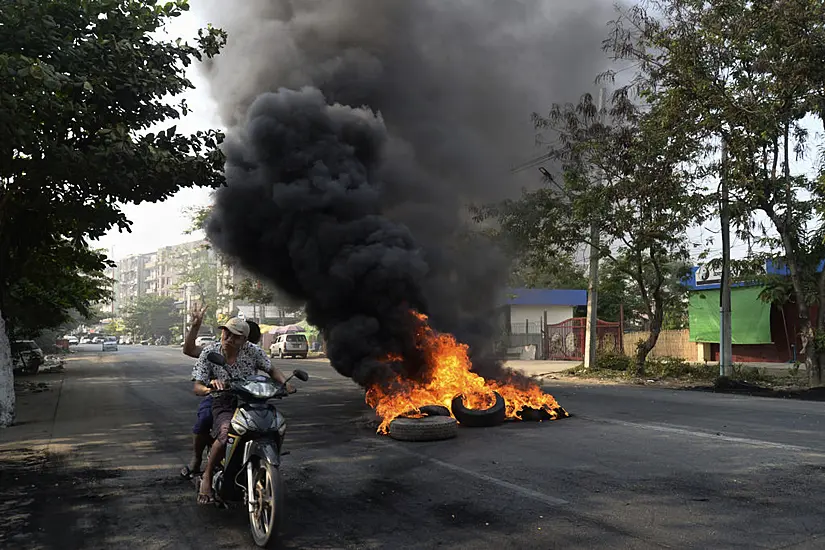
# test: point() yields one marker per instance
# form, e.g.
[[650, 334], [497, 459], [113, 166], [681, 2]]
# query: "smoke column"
[[442, 92]]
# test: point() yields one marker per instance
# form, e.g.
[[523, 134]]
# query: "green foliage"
[[199, 270], [84, 90], [56, 287], [558, 270], [746, 74], [198, 217], [614, 361], [152, 316], [616, 167], [679, 369], [620, 366], [254, 292]]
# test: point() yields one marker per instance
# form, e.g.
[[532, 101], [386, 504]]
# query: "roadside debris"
[[53, 363]]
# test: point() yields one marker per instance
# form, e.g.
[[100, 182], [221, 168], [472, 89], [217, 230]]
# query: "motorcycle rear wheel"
[[265, 521]]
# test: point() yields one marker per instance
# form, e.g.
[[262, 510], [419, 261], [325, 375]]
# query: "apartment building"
[[165, 272], [159, 272], [173, 262], [230, 277]]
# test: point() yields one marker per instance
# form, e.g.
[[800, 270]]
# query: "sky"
[[155, 225]]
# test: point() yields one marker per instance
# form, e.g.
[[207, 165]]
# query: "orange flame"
[[449, 376]]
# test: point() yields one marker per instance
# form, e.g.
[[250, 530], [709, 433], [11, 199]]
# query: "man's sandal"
[[205, 499]]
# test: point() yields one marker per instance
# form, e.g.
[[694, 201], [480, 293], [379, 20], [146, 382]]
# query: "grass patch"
[[617, 366], [674, 368]]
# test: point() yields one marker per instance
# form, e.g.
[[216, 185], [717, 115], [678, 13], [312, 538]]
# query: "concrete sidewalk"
[[538, 367], [37, 398]]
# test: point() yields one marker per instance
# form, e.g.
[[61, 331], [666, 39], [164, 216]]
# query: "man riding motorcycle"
[[242, 360], [203, 424]]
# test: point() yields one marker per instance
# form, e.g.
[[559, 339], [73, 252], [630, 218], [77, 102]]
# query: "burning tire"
[[479, 418], [434, 410], [429, 428], [541, 415]]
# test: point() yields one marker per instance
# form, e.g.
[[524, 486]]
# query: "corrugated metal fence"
[[526, 333]]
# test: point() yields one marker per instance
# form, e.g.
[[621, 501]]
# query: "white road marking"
[[666, 428], [518, 489]]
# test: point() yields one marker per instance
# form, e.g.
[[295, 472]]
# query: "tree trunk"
[[6, 378], [645, 347], [813, 362]]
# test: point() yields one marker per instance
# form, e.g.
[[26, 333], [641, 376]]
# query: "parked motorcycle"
[[249, 473]]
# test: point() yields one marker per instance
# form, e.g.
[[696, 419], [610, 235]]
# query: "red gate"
[[565, 341]]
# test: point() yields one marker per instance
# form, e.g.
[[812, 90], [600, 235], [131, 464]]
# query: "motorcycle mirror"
[[301, 375], [215, 357]]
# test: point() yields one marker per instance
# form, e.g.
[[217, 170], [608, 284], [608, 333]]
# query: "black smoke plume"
[[302, 207], [443, 91]]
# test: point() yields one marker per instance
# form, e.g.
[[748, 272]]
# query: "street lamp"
[[182, 305], [546, 174]]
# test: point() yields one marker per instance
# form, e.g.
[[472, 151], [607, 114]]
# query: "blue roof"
[[545, 297], [771, 268], [779, 268], [691, 282]]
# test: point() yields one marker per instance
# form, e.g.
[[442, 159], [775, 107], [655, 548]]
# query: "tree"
[[558, 270], [151, 316], [198, 215], [630, 175], [83, 90], [618, 293], [52, 286], [746, 74], [255, 293], [199, 270]]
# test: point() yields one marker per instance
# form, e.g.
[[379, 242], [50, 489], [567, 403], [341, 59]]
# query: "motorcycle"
[[254, 449]]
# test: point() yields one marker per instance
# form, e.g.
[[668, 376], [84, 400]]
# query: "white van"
[[294, 345]]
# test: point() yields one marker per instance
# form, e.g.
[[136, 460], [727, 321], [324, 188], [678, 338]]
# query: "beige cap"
[[237, 326]]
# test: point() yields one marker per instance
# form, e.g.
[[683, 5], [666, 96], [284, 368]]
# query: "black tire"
[[533, 415], [33, 367], [541, 415], [429, 428], [266, 525], [434, 410], [472, 418], [281, 354]]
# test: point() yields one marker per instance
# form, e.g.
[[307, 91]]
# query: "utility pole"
[[725, 334], [593, 283]]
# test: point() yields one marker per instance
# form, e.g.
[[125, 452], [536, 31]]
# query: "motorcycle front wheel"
[[268, 511]]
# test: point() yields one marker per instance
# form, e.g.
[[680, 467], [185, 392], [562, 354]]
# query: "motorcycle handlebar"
[[282, 391]]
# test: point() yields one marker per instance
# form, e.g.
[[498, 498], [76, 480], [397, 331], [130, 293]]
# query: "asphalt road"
[[634, 468]]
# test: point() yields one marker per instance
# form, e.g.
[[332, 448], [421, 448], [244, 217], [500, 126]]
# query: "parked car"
[[97, 340], [26, 356], [110, 343], [294, 345], [73, 341], [204, 340], [85, 340]]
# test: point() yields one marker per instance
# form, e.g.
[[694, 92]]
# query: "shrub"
[[613, 361], [676, 367]]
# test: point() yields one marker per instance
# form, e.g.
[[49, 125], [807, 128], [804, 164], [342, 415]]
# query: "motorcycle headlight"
[[260, 390]]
